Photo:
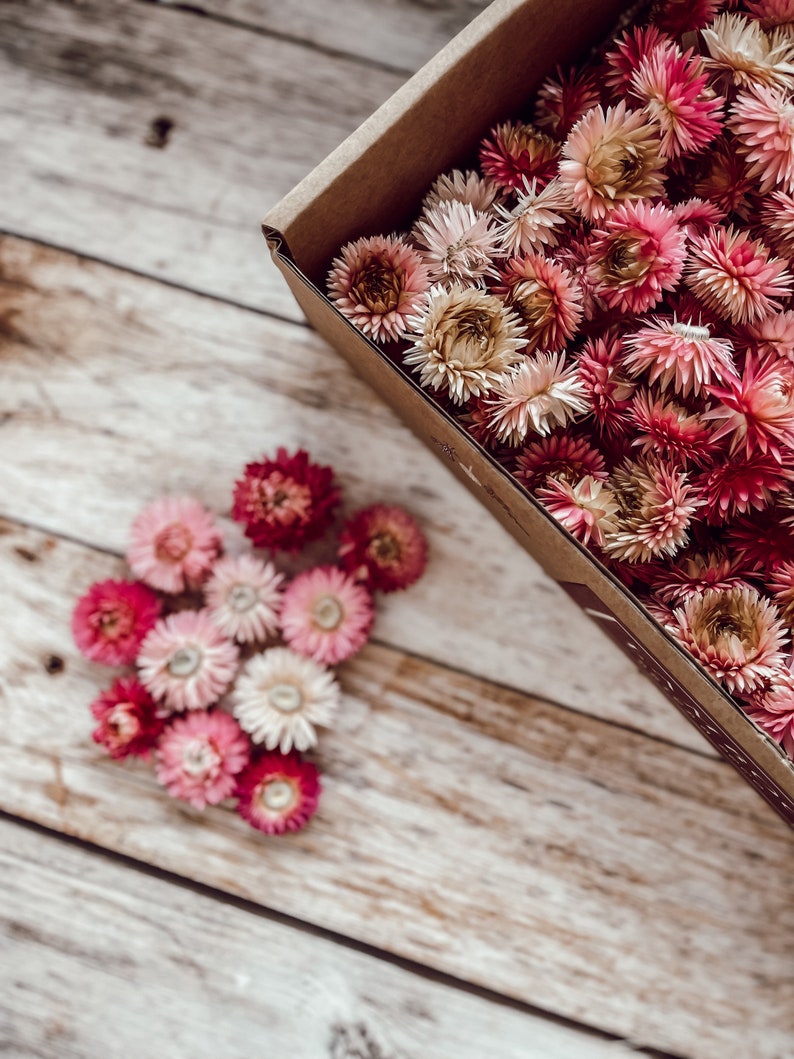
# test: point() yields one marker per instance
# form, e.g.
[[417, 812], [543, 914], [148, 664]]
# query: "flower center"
[[281, 499], [278, 795], [385, 548], [377, 287], [285, 698], [123, 722], [328, 612], [113, 620], [172, 543], [184, 661], [691, 332], [199, 757], [242, 597]]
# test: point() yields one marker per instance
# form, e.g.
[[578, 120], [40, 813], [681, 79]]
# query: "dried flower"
[[383, 547], [722, 179], [636, 44], [561, 456], [733, 487], [461, 186], [376, 283], [457, 244], [607, 387], [111, 620], [326, 615], [777, 220], [781, 585], [762, 120], [761, 541], [771, 12], [564, 98], [665, 426], [200, 756], [535, 219], [586, 508], [243, 597], [697, 215], [679, 355], [278, 793], [515, 153], [465, 340], [541, 393], [173, 543], [186, 661], [546, 297], [742, 53], [280, 696], [130, 722], [774, 709], [656, 503], [682, 16], [694, 573], [757, 409], [285, 502]]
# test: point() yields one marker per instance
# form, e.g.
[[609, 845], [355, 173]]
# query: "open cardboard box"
[[372, 184]]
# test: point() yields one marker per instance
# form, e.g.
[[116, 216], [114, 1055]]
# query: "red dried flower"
[[560, 456], [631, 49], [565, 97], [515, 153], [694, 573], [111, 620], [278, 793], [607, 387], [130, 722], [722, 179], [733, 487], [383, 547], [665, 426], [761, 541], [682, 16]]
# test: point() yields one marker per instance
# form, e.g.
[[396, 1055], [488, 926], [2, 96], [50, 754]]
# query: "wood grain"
[[575, 866], [103, 961], [117, 389]]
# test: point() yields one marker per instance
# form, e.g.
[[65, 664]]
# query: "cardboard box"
[[373, 184]]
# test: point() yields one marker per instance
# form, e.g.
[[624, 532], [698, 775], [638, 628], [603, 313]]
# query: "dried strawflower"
[[734, 486], [326, 615], [280, 696], [762, 541], [243, 597], [130, 721], [564, 98], [756, 410], [781, 585], [200, 756], [697, 215], [607, 386], [585, 508], [535, 219], [772, 336], [741, 53], [664, 425], [682, 16], [515, 153], [383, 547], [173, 543], [631, 49], [681, 356], [773, 710], [722, 179], [457, 243], [465, 340], [187, 661], [777, 220], [376, 282], [539, 394], [771, 12], [547, 298], [461, 186], [694, 573], [611, 157], [762, 120], [110, 621], [278, 793], [734, 633], [285, 502], [656, 503], [561, 456]]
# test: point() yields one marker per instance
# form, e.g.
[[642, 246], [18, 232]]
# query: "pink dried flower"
[[656, 503], [772, 336], [665, 426], [678, 355], [200, 756], [774, 709], [777, 220], [611, 157], [546, 297], [781, 585], [285, 502], [326, 615], [514, 153], [586, 508], [173, 543], [722, 179], [130, 722], [278, 793], [458, 244], [111, 620], [635, 45], [757, 410], [761, 541], [735, 275], [697, 215], [734, 633], [535, 219], [541, 393], [461, 186], [682, 16], [733, 487], [741, 53], [762, 120], [243, 597], [560, 456], [574, 256], [376, 282], [693, 574], [564, 98], [383, 547], [771, 12], [186, 661], [637, 256], [607, 387]]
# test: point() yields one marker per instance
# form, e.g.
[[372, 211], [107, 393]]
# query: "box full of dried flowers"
[[564, 252]]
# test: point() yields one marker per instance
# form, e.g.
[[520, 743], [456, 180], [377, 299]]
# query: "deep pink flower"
[[173, 543], [326, 615], [635, 45], [734, 486], [694, 573], [285, 502], [111, 620], [608, 388], [771, 12], [130, 722], [761, 541], [681, 16], [278, 793], [664, 425], [762, 120], [514, 153], [585, 508], [680, 356], [561, 455], [200, 755], [756, 411], [546, 297], [721, 178], [565, 97], [383, 547], [697, 215]]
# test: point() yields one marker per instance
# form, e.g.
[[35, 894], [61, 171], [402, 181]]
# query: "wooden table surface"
[[523, 852]]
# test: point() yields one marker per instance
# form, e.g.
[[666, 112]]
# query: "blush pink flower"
[[774, 710], [664, 425], [756, 411], [564, 98], [772, 336], [541, 393], [110, 622], [735, 275], [200, 756], [535, 220], [697, 215], [186, 661], [383, 547], [465, 186], [781, 585], [546, 297], [762, 120], [376, 282], [243, 597], [457, 243], [561, 456], [515, 153], [771, 12], [637, 256], [608, 389], [586, 508], [326, 615], [173, 543], [679, 356], [656, 503], [278, 793], [285, 502], [777, 220], [130, 722], [734, 486]]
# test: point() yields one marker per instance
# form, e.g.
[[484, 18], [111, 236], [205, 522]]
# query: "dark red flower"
[[278, 792], [130, 721], [383, 547]]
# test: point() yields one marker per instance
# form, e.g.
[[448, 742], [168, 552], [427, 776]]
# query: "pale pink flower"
[[773, 709], [771, 12], [586, 508], [735, 634], [546, 297], [756, 411], [777, 219], [781, 585], [565, 97], [631, 49], [611, 157], [678, 355], [741, 53], [515, 153], [656, 502], [541, 393], [762, 120], [535, 219], [187, 661], [466, 186], [457, 243], [243, 597], [561, 456], [376, 282], [773, 336], [173, 543], [664, 425], [326, 615], [735, 275], [199, 757]]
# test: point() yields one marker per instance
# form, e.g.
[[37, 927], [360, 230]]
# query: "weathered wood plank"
[[102, 961], [249, 115], [578, 867], [116, 389]]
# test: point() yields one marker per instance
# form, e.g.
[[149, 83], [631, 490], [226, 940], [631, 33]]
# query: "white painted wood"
[[116, 389], [571, 864], [104, 962]]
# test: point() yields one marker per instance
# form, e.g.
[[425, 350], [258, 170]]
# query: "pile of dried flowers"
[[232, 659], [606, 305]]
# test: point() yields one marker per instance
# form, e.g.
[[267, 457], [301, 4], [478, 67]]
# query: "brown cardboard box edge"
[[347, 195]]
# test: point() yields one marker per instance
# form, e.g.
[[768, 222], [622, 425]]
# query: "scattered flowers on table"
[[609, 310], [232, 657]]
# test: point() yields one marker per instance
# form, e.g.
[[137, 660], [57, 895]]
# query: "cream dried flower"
[[535, 219], [462, 186], [741, 52], [457, 243], [586, 508], [539, 394], [656, 503]]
